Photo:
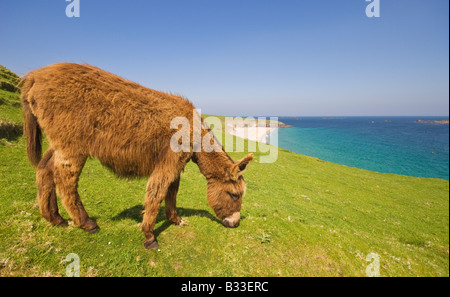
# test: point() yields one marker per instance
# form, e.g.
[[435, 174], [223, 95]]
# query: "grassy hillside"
[[10, 115], [301, 217]]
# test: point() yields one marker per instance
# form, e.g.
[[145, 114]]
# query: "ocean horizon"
[[386, 144]]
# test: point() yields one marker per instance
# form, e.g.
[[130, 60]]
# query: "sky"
[[252, 57]]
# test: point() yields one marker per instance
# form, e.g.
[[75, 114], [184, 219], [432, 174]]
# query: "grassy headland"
[[301, 217]]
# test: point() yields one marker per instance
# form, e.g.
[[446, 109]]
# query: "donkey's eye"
[[234, 196]]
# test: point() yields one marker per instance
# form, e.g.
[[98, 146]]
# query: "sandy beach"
[[253, 133]]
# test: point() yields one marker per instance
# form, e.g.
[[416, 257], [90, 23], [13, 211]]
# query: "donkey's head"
[[225, 195]]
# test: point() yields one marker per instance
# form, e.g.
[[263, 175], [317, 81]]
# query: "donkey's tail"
[[31, 126]]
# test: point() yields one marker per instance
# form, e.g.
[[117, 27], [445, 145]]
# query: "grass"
[[301, 217], [8, 80]]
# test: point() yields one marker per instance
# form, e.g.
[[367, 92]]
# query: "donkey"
[[88, 112]]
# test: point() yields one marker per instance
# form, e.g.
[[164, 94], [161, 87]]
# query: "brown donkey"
[[87, 112]]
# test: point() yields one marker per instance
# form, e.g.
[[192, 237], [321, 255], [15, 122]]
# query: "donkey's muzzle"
[[232, 221]]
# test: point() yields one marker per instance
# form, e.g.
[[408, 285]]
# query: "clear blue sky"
[[252, 57]]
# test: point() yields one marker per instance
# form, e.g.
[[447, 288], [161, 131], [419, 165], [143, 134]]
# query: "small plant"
[[264, 237]]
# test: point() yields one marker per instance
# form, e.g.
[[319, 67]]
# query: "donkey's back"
[[87, 111]]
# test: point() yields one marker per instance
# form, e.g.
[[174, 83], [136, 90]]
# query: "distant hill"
[[441, 122]]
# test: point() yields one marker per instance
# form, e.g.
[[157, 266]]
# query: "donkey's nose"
[[232, 221]]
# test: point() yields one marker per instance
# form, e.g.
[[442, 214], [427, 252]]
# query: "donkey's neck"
[[213, 165], [213, 162]]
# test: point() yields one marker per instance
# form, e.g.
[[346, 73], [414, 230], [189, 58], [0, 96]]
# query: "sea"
[[398, 145]]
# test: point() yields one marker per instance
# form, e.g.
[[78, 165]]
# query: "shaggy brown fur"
[[87, 112]]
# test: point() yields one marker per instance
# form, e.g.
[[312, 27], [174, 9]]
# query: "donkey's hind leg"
[[171, 201], [67, 172], [48, 205]]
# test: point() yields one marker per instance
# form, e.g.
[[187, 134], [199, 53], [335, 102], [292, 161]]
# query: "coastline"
[[258, 132]]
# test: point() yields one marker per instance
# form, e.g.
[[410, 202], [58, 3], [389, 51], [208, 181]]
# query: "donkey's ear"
[[240, 166]]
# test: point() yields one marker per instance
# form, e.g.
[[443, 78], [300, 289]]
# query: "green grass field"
[[301, 217]]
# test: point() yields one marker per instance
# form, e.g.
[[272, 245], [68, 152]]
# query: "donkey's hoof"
[[177, 221], [151, 245], [62, 223], [183, 222], [93, 230]]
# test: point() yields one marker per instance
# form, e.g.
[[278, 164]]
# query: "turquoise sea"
[[397, 145]]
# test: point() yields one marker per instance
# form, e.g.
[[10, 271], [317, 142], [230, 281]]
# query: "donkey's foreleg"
[[48, 205], [162, 183], [156, 192], [67, 172], [171, 201]]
